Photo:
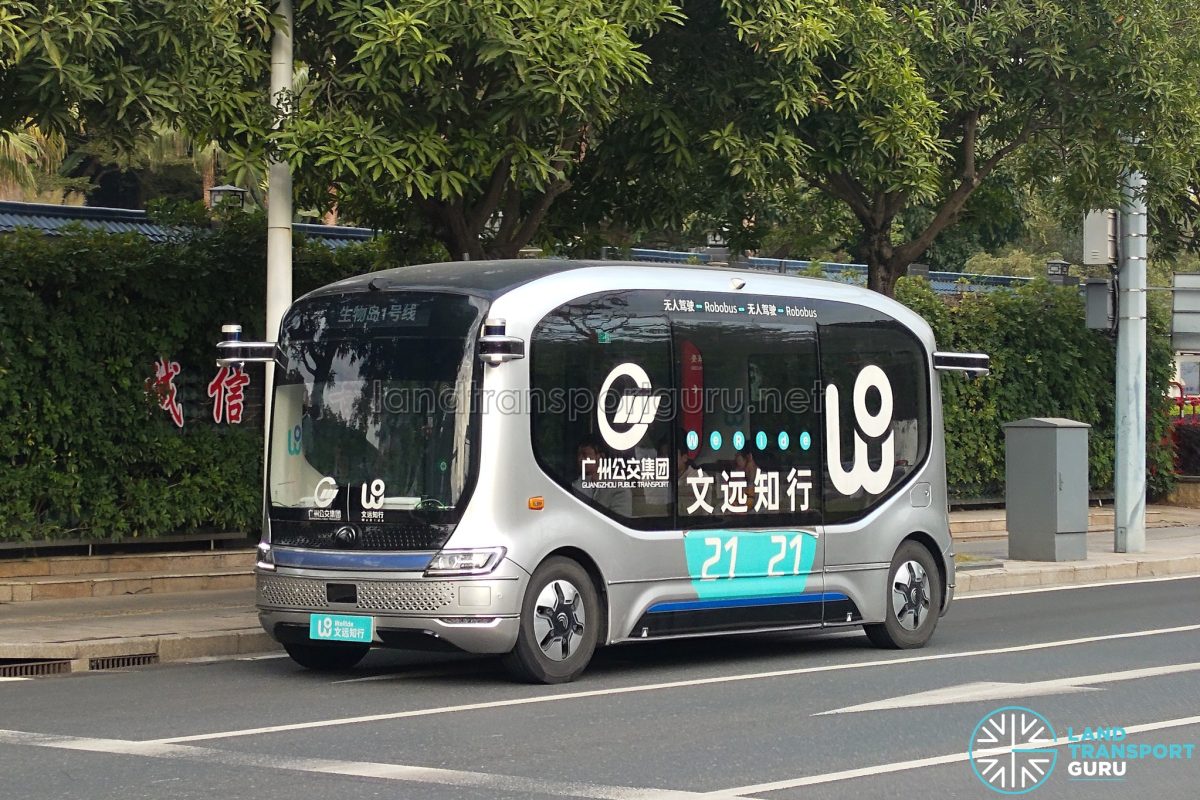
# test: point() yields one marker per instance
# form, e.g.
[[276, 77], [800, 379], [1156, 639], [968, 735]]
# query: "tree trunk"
[[461, 229], [884, 264], [208, 179]]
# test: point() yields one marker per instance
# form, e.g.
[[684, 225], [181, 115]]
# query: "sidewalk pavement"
[[170, 627], [88, 632]]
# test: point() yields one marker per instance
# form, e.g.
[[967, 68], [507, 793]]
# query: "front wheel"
[[914, 600], [326, 657], [560, 618]]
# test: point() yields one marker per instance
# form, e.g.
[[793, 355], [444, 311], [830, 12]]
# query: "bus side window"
[[611, 449], [859, 344]]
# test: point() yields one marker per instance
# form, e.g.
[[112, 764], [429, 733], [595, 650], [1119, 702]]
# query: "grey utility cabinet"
[[1046, 489]]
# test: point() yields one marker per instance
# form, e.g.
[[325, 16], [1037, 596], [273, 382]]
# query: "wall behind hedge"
[[84, 451], [1045, 363]]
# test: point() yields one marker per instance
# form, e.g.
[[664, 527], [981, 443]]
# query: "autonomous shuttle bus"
[[537, 458]]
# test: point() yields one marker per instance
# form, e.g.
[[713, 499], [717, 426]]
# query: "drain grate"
[[119, 662], [33, 669]]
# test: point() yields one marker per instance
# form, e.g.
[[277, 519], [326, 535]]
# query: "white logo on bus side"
[[325, 492], [375, 498], [860, 475], [636, 410]]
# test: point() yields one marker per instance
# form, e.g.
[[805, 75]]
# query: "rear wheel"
[[914, 600], [560, 618], [326, 657]]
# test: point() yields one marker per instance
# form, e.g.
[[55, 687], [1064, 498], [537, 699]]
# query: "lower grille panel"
[[284, 591]]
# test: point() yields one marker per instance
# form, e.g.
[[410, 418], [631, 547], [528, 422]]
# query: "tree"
[[889, 108], [26, 155], [475, 114], [114, 67]]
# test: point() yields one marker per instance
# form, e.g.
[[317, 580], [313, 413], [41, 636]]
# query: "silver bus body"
[[659, 575]]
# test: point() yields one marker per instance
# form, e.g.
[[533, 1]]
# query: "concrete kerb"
[[1023, 574], [168, 648]]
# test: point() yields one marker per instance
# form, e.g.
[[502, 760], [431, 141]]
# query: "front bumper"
[[472, 614]]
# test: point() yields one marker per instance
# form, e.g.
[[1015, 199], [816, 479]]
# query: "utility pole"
[[279, 185], [279, 205], [1130, 506]]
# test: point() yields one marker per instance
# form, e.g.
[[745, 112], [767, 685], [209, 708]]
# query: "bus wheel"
[[914, 599], [326, 657], [560, 618]]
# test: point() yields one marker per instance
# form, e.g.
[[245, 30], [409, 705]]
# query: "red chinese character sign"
[[227, 390], [164, 389]]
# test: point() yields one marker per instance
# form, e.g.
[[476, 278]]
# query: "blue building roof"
[[51, 219]]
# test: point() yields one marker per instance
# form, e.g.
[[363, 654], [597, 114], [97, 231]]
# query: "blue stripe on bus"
[[315, 559], [745, 602]]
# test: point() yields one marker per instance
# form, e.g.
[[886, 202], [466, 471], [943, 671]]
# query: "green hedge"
[[1045, 363], [85, 452]]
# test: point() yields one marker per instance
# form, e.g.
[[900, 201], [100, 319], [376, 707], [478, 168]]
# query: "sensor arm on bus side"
[[975, 365], [234, 352]]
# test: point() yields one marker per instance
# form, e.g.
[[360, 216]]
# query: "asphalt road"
[[749, 716]]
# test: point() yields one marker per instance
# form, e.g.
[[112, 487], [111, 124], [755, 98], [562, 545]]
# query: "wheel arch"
[[929, 543]]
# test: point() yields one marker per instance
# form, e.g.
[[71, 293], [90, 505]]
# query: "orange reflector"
[[536, 503]]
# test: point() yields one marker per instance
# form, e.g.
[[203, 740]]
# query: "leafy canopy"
[[474, 112], [886, 107], [115, 66]]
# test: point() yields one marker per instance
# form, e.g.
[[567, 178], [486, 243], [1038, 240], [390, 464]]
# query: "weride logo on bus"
[[636, 408], [872, 426]]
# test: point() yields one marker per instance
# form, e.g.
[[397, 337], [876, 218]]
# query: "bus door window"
[[748, 450]]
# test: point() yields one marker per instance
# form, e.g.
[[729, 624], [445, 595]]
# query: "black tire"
[[569, 636], [326, 657], [895, 632]]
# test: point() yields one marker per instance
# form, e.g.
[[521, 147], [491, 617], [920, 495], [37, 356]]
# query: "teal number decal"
[[726, 563]]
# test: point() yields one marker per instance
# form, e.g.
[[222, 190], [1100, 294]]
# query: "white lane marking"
[[992, 690], [650, 687], [1098, 584], [490, 782], [2, 680], [918, 763], [974, 692]]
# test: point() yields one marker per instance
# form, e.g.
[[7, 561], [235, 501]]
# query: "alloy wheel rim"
[[559, 620], [910, 595]]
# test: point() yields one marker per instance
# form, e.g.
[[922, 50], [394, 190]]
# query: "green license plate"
[[340, 628]]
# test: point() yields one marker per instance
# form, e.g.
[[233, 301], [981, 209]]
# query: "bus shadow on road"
[[649, 660], [757, 650]]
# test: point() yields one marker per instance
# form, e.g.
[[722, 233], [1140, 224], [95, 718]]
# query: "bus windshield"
[[372, 411]]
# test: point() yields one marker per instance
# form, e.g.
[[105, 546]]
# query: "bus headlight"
[[465, 562], [265, 558]]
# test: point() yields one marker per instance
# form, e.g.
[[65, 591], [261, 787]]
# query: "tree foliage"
[[472, 115], [116, 66], [903, 112]]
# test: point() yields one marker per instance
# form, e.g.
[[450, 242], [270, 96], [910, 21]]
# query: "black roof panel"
[[488, 279]]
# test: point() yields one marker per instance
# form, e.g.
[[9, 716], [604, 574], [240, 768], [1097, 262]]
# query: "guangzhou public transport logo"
[[1012, 750], [636, 407]]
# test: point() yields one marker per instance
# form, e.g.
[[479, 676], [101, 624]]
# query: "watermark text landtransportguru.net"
[[571, 403]]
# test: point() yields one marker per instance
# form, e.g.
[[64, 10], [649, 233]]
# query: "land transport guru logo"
[[1014, 750]]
